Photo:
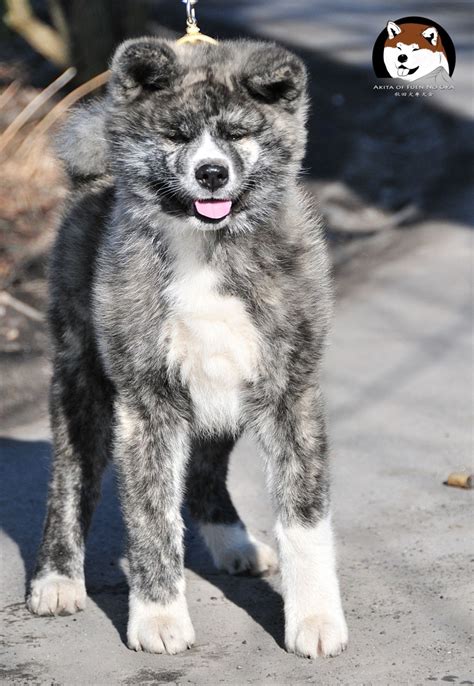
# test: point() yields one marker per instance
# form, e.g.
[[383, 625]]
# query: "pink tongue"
[[213, 209]]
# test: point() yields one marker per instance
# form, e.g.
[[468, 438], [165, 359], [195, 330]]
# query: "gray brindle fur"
[[173, 332]]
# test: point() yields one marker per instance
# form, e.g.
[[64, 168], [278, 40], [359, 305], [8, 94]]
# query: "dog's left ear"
[[275, 76], [431, 35]]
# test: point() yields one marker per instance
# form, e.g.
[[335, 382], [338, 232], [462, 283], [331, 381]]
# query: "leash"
[[193, 32]]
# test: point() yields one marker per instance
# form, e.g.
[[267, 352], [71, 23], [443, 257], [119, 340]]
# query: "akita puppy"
[[413, 51], [190, 299]]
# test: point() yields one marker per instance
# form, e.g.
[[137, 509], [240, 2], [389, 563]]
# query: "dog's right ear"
[[275, 76], [393, 29], [140, 65]]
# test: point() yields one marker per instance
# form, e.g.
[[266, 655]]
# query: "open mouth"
[[212, 210], [207, 210], [404, 71]]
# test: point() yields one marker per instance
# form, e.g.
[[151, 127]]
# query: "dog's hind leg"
[[81, 421], [232, 546]]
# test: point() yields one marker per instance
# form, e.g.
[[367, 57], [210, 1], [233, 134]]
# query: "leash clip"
[[193, 32], [190, 12]]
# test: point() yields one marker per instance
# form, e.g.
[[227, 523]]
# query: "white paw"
[[324, 635], [254, 557], [236, 551], [314, 617], [55, 594], [157, 628]]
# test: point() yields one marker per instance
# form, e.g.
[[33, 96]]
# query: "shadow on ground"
[[24, 472]]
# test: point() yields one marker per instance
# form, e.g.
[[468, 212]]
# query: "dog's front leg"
[[293, 436], [151, 453]]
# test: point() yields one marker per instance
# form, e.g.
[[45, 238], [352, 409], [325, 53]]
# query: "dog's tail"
[[81, 143]]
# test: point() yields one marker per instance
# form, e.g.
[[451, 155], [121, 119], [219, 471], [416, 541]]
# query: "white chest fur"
[[212, 343]]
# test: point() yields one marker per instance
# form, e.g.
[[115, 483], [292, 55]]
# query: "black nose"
[[402, 58], [212, 176]]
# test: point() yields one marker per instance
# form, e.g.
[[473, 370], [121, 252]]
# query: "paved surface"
[[398, 380]]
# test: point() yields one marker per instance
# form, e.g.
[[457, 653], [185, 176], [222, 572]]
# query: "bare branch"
[[10, 91], [40, 36]]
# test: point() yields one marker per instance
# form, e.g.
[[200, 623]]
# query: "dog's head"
[[209, 134], [412, 51]]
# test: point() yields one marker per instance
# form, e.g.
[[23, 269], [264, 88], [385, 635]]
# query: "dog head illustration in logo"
[[413, 51]]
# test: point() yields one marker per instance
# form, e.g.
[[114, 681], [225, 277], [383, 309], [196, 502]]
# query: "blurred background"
[[376, 163]]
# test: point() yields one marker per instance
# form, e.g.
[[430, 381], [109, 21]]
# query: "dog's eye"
[[414, 49], [234, 135], [177, 136]]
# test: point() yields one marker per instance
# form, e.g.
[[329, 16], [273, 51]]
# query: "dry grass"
[[32, 186], [32, 182], [31, 189]]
